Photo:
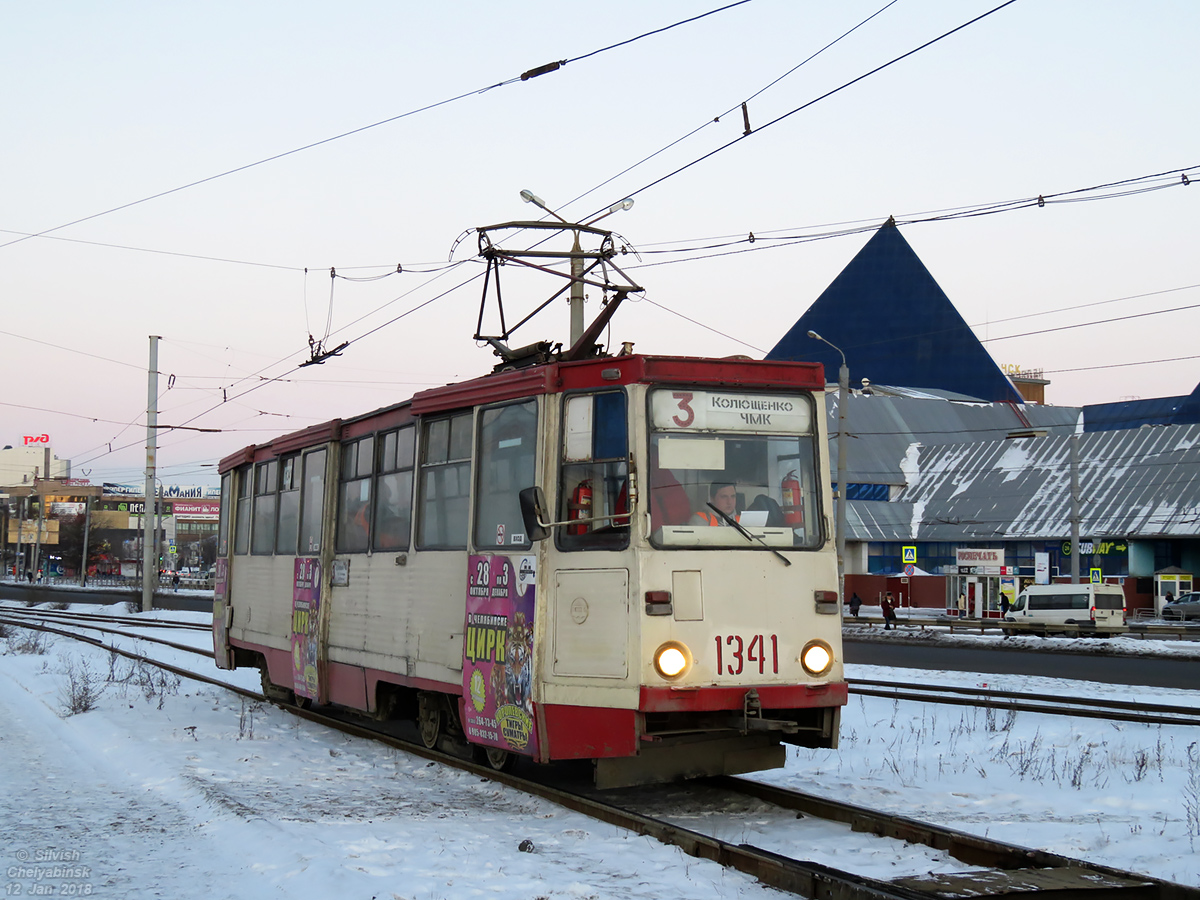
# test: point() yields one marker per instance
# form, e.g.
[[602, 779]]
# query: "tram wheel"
[[430, 720], [273, 692], [500, 760]]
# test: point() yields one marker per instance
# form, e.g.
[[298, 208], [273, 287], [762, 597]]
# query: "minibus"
[[1099, 606]]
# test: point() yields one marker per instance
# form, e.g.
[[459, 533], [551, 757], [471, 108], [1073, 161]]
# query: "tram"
[[626, 559]]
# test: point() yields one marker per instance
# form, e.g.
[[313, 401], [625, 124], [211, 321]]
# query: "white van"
[[1093, 605]]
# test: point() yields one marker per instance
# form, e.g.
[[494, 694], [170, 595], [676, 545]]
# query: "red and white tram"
[[520, 563]]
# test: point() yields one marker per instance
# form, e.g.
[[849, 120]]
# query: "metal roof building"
[[1142, 483], [883, 424]]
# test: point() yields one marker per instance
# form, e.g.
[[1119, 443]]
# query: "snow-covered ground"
[[185, 790]]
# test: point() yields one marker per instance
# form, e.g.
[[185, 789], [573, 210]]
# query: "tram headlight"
[[672, 659], [816, 657]]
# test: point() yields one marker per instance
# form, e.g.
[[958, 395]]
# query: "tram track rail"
[[1005, 869], [65, 615], [987, 698], [24, 621], [1019, 701]]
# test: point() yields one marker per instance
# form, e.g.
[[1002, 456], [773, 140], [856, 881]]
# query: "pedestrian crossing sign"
[[1097, 577], [910, 556]]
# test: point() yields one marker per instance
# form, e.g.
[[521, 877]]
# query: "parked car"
[[1184, 607]]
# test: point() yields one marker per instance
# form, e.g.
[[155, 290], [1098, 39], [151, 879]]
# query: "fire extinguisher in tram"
[[580, 506], [793, 502]]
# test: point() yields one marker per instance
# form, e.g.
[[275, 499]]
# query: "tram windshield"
[[733, 470]]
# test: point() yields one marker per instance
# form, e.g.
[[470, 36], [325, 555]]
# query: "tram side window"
[[445, 483], [223, 527], [312, 502], [241, 528], [393, 493], [289, 506], [595, 472], [354, 496], [507, 464], [266, 483]]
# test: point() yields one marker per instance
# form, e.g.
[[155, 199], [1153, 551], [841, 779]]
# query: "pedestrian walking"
[[855, 604], [888, 605]]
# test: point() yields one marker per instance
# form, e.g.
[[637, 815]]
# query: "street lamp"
[[840, 522]]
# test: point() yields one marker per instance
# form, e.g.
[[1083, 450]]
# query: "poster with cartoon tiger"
[[498, 654]]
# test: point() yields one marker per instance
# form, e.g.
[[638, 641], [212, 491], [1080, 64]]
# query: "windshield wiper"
[[747, 535]]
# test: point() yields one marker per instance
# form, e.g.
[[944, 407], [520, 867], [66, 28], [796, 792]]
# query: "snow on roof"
[[1143, 482]]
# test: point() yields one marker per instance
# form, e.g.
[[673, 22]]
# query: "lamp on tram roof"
[[840, 521], [619, 206], [530, 197]]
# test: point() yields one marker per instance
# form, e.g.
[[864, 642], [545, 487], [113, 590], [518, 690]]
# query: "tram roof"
[[731, 372]]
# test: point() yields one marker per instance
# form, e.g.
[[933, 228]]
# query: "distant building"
[[959, 475], [20, 465]]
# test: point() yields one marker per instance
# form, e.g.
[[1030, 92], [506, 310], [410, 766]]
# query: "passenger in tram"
[[722, 495]]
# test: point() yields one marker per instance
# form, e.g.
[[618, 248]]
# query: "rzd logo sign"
[[36, 439]]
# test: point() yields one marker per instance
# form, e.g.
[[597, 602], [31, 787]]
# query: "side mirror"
[[533, 513]]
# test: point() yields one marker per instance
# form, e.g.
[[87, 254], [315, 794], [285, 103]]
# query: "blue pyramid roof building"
[[1125, 414], [896, 327]]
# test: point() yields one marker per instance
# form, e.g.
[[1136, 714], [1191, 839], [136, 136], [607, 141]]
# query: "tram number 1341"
[[743, 653]]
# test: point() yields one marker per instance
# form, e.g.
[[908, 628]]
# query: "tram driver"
[[722, 495]]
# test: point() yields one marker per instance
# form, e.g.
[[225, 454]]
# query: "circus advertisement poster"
[[498, 653], [306, 609]]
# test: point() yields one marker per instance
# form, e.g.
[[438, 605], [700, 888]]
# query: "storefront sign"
[[1096, 548], [202, 511], [966, 556]]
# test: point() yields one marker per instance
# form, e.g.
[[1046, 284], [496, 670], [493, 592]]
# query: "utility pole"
[[87, 524], [37, 545], [4, 537], [149, 567], [1075, 500], [843, 436], [576, 291]]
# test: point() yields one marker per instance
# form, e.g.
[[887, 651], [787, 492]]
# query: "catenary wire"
[[412, 112], [815, 100], [718, 118]]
